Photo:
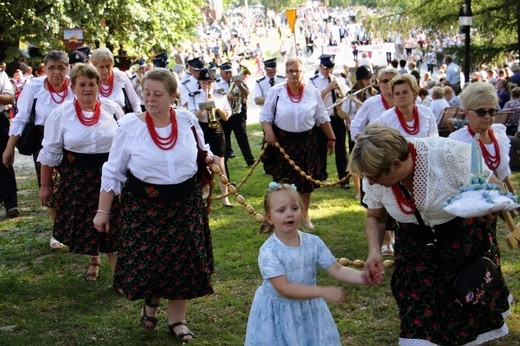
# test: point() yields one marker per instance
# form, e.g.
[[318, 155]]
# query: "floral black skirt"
[[422, 288], [76, 201], [302, 149], [166, 248]]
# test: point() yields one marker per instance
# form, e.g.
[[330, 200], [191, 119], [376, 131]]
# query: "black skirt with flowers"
[[302, 149], [76, 201], [421, 285], [166, 248]]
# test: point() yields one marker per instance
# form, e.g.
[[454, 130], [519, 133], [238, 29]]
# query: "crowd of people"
[[116, 160]]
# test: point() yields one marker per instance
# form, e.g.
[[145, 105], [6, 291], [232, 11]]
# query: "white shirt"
[[291, 116], [504, 145], [437, 106], [441, 168], [262, 85], [34, 89], [121, 81], [371, 109], [189, 86], [133, 150], [221, 102], [63, 130], [427, 123], [6, 88], [321, 82]]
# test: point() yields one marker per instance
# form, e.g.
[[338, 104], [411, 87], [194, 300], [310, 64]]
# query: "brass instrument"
[[236, 105], [210, 107], [338, 90], [350, 96]]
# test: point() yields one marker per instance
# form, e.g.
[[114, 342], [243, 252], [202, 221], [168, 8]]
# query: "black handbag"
[[475, 278], [29, 141], [204, 173], [474, 282], [128, 107]]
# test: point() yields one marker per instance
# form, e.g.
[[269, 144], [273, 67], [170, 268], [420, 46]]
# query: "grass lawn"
[[45, 302]]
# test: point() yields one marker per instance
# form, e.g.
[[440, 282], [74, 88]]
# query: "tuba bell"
[[209, 106], [236, 105]]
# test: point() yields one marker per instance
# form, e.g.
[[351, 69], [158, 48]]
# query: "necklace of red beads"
[[83, 119], [492, 161], [106, 91], [62, 94], [164, 143], [407, 205], [295, 98], [414, 128]]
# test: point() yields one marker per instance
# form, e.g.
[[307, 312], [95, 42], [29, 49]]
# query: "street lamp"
[[465, 23]]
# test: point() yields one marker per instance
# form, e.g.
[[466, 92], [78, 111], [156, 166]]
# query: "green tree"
[[496, 26], [141, 24]]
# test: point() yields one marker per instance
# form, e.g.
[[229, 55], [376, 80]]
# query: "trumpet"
[[351, 96], [338, 90], [210, 107]]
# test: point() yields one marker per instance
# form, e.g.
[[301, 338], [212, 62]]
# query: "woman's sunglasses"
[[481, 112]]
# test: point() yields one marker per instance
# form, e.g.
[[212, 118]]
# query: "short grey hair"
[[101, 54], [56, 55], [478, 93]]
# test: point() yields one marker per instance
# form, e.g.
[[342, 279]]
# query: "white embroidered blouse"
[[34, 89], [294, 117], [121, 81], [427, 122], [504, 144], [134, 150], [441, 168], [63, 130]]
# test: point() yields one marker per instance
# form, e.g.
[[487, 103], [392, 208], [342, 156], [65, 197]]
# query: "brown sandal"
[[181, 336], [91, 276]]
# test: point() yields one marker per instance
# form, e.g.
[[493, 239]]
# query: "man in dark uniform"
[[236, 123], [190, 83], [331, 88], [265, 83]]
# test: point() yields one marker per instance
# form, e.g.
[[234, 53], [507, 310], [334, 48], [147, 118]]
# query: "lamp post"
[[465, 22]]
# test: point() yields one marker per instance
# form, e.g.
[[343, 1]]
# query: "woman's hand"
[[270, 138], [101, 222], [374, 269], [8, 157], [330, 146], [46, 195], [211, 159], [333, 294]]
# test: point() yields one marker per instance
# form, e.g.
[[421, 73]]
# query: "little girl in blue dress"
[[289, 308]]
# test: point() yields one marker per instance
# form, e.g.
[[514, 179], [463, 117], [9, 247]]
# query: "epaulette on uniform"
[[261, 79], [194, 93], [314, 77], [186, 81]]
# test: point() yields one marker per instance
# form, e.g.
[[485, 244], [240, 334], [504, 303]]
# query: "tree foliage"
[[495, 23], [143, 25]]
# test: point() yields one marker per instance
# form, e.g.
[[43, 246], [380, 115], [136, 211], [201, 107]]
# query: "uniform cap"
[[85, 50], [327, 60], [363, 72], [77, 56], [160, 60], [270, 63], [225, 67], [205, 75], [196, 63]]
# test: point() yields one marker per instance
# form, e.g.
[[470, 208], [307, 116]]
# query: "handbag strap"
[[32, 117], [196, 137], [407, 194]]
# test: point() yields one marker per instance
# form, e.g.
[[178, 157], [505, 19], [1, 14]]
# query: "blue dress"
[[275, 320]]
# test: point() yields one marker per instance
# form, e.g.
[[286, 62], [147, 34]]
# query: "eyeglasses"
[[373, 180], [54, 68], [481, 112], [384, 81], [294, 71]]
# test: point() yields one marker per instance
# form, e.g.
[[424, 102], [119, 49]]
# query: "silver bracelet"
[[103, 212]]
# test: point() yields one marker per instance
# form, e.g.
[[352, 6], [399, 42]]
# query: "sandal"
[[387, 250], [182, 335], [54, 244], [91, 276], [149, 322]]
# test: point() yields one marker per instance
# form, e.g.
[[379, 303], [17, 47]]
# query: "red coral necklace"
[[406, 205], [295, 98], [492, 161], [83, 119], [414, 128], [164, 143], [62, 94], [385, 103], [106, 91]]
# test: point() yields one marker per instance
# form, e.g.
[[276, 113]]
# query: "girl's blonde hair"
[[266, 227]]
